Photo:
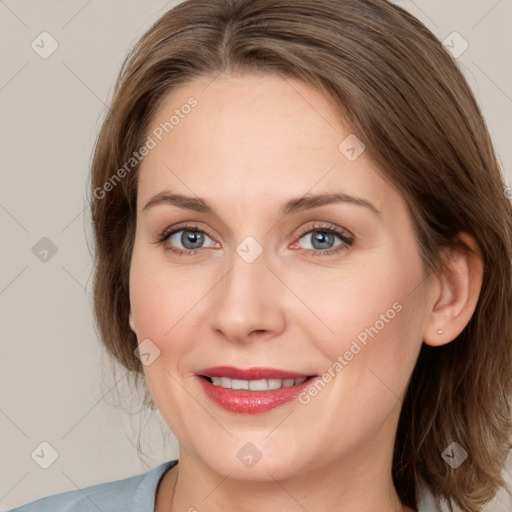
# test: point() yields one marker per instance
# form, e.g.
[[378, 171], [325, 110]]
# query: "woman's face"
[[262, 284]]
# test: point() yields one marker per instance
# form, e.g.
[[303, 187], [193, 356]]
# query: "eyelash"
[[347, 241]]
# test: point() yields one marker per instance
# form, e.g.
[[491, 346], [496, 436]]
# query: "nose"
[[248, 302]]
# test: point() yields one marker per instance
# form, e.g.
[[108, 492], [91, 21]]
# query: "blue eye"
[[189, 240], [322, 240], [190, 237]]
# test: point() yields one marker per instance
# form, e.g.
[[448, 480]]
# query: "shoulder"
[[135, 493], [426, 500]]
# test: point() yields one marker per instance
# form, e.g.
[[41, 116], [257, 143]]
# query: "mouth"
[[254, 385], [253, 390]]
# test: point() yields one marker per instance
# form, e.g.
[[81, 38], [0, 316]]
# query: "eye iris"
[[193, 237], [325, 239]]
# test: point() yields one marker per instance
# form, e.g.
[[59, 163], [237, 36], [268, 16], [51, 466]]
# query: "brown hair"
[[402, 94]]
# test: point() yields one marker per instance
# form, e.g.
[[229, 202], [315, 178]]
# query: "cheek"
[[377, 320], [160, 298], [148, 309], [166, 304], [368, 302], [368, 362], [161, 306]]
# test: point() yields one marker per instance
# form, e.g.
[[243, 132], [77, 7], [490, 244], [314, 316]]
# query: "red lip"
[[250, 373], [247, 401]]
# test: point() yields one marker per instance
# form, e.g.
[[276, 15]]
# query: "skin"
[[253, 142]]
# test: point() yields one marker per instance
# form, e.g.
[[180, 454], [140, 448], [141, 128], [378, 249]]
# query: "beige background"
[[55, 385]]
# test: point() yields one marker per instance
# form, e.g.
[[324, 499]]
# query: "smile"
[[255, 385], [252, 391]]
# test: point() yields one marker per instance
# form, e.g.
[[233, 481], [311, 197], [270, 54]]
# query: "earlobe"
[[456, 295], [131, 321]]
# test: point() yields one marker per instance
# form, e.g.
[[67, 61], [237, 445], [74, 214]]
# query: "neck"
[[344, 486]]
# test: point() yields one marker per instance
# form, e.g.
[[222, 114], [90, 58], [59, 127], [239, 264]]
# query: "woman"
[[303, 250]]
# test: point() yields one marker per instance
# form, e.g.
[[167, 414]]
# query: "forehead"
[[253, 137]]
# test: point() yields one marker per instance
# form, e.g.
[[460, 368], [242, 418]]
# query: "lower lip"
[[251, 402]]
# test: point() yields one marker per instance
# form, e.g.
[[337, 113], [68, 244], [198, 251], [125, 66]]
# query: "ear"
[[131, 320], [455, 293]]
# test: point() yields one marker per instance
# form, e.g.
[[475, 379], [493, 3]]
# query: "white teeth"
[[255, 385], [258, 385], [239, 384], [274, 383]]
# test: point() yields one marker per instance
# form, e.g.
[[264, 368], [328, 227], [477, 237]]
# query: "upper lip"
[[250, 373]]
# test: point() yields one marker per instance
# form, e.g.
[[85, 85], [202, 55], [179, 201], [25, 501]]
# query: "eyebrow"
[[293, 205]]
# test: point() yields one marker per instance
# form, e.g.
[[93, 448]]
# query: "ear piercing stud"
[[439, 331]]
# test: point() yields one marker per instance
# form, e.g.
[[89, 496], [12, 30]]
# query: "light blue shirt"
[[133, 494]]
